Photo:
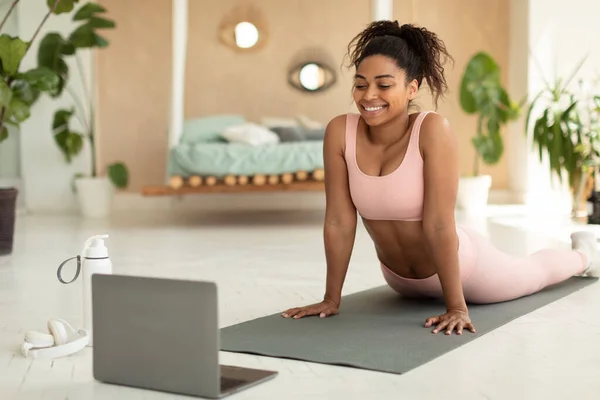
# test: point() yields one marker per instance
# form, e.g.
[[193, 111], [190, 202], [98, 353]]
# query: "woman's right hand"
[[323, 309]]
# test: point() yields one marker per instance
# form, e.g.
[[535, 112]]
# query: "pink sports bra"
[[395, 196]]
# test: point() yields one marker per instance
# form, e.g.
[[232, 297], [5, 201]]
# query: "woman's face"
[[380, 90]]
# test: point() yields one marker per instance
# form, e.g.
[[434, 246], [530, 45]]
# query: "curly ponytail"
[[419, 52]]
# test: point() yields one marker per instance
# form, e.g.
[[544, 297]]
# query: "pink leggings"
[[489, 275]]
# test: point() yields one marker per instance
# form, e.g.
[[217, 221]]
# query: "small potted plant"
[[565, 129], [94, 190], [482, 94]]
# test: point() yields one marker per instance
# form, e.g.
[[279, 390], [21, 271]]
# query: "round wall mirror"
[[243, 29], [311, 77]]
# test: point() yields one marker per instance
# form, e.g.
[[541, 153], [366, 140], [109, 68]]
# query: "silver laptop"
[[162, 334]]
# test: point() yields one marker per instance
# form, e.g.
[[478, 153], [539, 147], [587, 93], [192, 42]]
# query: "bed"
[[229, 153]]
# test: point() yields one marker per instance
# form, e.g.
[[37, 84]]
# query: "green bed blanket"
[[219, 159]]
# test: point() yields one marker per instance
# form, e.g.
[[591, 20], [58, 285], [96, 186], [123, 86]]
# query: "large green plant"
[[54, 53], [482, 94], [19, 90], [565, 126]]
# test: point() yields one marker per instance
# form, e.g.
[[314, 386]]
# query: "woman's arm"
[[339, 228], [441, 174]]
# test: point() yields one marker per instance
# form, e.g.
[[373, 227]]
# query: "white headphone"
[[62, 340]]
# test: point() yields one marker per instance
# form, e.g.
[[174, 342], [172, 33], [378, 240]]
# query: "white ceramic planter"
[[473, 193], [95, 196]]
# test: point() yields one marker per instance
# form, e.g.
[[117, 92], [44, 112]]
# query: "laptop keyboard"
[[229, 383]]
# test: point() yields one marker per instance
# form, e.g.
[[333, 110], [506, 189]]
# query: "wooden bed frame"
[[301, 181]]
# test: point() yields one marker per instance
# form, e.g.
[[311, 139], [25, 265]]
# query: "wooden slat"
[[303, 186]]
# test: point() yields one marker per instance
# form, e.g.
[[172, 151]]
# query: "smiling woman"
[[392, 62], [399, 172]]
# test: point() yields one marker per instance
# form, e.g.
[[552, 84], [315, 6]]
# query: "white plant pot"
[[473, 193], [95, 196]]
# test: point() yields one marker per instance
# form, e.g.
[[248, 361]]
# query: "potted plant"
[[19, 90], [565, 127], [94, 190], [482, 94]]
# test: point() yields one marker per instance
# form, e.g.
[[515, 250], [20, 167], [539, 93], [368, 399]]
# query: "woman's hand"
[[323, 309], [454, 319]]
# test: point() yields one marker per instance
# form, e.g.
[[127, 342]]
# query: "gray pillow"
[[314, 134], [289, 133]]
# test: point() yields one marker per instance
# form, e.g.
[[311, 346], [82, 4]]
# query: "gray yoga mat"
[[378, 330]]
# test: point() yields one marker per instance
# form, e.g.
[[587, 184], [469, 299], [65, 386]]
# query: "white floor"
[[266, 262]]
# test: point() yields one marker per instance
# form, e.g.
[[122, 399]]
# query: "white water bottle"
[[93, 260]]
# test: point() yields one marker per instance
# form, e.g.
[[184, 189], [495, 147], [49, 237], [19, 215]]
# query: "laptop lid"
[[156, 333]]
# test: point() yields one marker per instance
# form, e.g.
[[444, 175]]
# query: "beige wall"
[[133, 89], [255, 84], [134, 72], [466, 27]]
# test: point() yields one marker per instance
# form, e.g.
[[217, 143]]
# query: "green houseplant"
[[482, 94], [565, 127], [19, 91], [55, 51]]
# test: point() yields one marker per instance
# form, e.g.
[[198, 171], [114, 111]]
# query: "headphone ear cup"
[[39, 339], [58, 329]]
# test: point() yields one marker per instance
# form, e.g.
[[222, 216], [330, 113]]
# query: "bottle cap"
[[94, 247]]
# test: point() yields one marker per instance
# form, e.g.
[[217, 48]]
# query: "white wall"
[[46, 175], [553, 36]]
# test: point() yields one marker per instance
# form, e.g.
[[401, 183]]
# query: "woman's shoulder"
[[433, 121], [435, 128], [337, 125], [340, 120]]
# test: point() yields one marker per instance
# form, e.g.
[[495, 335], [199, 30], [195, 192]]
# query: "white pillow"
[[250, 133]]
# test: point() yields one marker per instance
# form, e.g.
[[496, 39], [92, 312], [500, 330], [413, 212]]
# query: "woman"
[[400, 172]]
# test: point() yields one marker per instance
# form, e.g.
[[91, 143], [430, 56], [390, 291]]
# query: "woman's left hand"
[[450, 321]]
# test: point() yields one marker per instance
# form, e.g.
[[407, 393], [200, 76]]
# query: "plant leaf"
[[489, 147], [539, 133], [12, 51], [70, 143], [4, 134], [23, 91], [88, 10], [118, 174], [61, 119], [101, 23], [64, 6], [6, 94], [86, 37], [43, 79], [50, 55], [479, 72], [557, 147], [19, 110], [533, 104]]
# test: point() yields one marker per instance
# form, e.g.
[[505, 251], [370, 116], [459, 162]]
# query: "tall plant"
[[54, 53], [19, 90], [482, 94], [565, 125]]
